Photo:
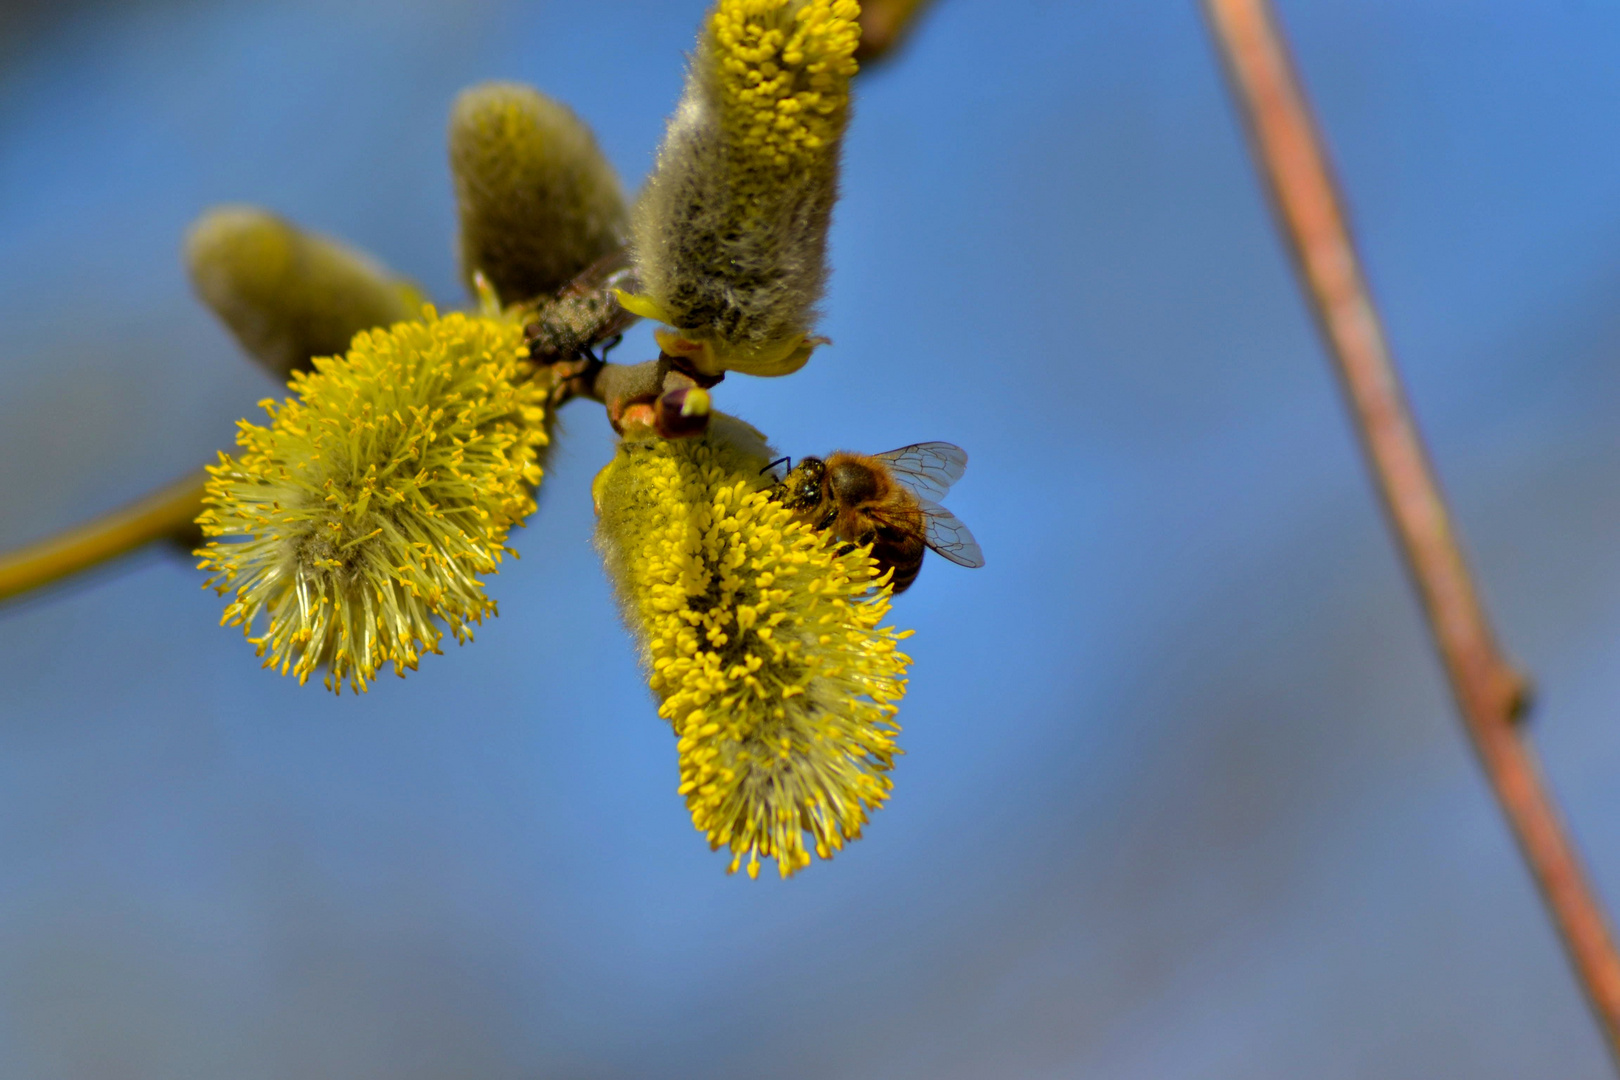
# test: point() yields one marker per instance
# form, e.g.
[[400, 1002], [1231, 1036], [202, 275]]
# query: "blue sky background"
[[1183, 795]]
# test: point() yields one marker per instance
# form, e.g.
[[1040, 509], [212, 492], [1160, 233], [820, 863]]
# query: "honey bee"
[[886, 500]]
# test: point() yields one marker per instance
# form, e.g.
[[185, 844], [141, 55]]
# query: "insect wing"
[[947, 535], [927, 469], [612, 270]]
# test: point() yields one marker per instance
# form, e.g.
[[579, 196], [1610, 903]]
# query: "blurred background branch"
[[1491, 695]]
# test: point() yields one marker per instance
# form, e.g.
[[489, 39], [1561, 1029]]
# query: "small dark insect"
[[886, 500], [566, 327]]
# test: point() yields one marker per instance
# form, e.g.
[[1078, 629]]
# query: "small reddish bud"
[[682, 413]]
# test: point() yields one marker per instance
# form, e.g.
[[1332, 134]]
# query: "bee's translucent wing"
[[948, 536], [927, 469]]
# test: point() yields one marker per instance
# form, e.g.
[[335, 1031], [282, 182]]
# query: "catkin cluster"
[[536, 200], [358, 526]]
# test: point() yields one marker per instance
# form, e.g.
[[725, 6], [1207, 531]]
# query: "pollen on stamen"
[[354, 527], [784, 733]]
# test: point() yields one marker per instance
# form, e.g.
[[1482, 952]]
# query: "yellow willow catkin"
[[364, 513], [763, 643], [730, 234]]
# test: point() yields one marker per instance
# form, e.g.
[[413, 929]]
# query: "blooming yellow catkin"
[[761, 640], [730, 234], [372, 501], [286, 294], [536, 200]]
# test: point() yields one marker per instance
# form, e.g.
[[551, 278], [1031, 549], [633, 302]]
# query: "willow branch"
[[1489, 693], [885, 24], [170, 511]]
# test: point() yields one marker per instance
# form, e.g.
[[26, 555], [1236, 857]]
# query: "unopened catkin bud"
[[730, 234], [289, 295], [538, 202]]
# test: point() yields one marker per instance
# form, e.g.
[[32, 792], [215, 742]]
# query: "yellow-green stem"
[[165, 512]]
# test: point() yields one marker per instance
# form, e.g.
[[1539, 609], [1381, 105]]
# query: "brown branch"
[[1489, 693], [885, 24]]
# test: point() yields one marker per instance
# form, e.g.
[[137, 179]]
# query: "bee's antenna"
[[777, 462], [610, 344]]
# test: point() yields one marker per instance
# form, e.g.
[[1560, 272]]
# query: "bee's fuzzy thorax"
[[855, 479]]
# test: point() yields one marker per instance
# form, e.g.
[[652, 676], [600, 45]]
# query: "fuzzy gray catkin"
[[730, 234]]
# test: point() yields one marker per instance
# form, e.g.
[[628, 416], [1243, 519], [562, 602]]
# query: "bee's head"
[[805, 480], [801, 487]]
